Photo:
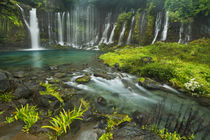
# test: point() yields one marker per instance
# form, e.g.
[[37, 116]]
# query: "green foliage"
[[136, 32], [9, 120], [113, 120], [185, 10], [6, 97], [174, 63], [166, 135], [62, 122], [28, 115], [123, 18], [51, 90]]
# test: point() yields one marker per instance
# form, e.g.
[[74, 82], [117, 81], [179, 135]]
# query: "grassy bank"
[[182, 66]]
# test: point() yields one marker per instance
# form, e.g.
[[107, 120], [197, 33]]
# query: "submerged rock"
[[83, 79], [101, 101], [19, 74]]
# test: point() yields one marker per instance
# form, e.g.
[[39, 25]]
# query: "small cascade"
[[50, 28], [121, 35], [158, 23], [142, 22], [111, 39], [33, 27], [68, 27], [34, 30], [188, 33], [104, 38], [181, 31], [130, 32], [165, 29], [60, 28]]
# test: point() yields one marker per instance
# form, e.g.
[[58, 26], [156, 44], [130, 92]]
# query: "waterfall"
[[130, 32], [49, 28], [111, 39], [181, 30], [68, 27], [157, 26], [105, 34], [165, 29], [33, 28], [104, 38], [60, 28], [188, 33], [122, 35]]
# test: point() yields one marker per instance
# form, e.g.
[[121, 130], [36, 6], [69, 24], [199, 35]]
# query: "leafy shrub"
[[113, 120], [51, 90], [28, 115], [62, 122], [6, 97]]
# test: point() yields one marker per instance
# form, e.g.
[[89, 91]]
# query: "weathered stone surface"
[[83, 79], [103, 75], [150, 84], [22, 92], [4, 82], [19, 74], [117, 66], [101, 101]]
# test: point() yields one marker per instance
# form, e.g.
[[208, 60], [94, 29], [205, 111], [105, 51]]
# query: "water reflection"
[[37, 59]]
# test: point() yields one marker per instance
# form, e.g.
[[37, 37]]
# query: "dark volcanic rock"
[[4, 82], [101, 101], [117, 66], [22, 92]]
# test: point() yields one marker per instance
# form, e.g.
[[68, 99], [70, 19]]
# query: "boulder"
[[101, 101], [22, 92], [146, 60], [117, 66], [83, 79], [4, 82], [150, 84], [103, 75]]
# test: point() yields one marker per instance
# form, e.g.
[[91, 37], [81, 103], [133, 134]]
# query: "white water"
[[165, 29], [130, 32], [60, 28], [104, 38], [111, 39], [181, 30], [68, 27], [157, 26], [121, 35], [33, 28], [188, 33]]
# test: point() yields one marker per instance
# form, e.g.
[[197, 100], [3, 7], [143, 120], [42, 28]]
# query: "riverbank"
[[184, 67]]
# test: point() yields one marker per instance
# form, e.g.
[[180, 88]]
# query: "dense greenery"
[[183, 66]]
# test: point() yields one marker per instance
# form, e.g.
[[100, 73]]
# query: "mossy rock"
[[149, 84], [83, 79]]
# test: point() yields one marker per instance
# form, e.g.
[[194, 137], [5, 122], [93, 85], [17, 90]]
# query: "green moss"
[[141, 79], [136, 32], [173, 63], [148, 35], [123, 18], [83, 79]]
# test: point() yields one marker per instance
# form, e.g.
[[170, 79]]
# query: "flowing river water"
[[121, 91]]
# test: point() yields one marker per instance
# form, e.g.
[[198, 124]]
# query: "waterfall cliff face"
[[87, 26]]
